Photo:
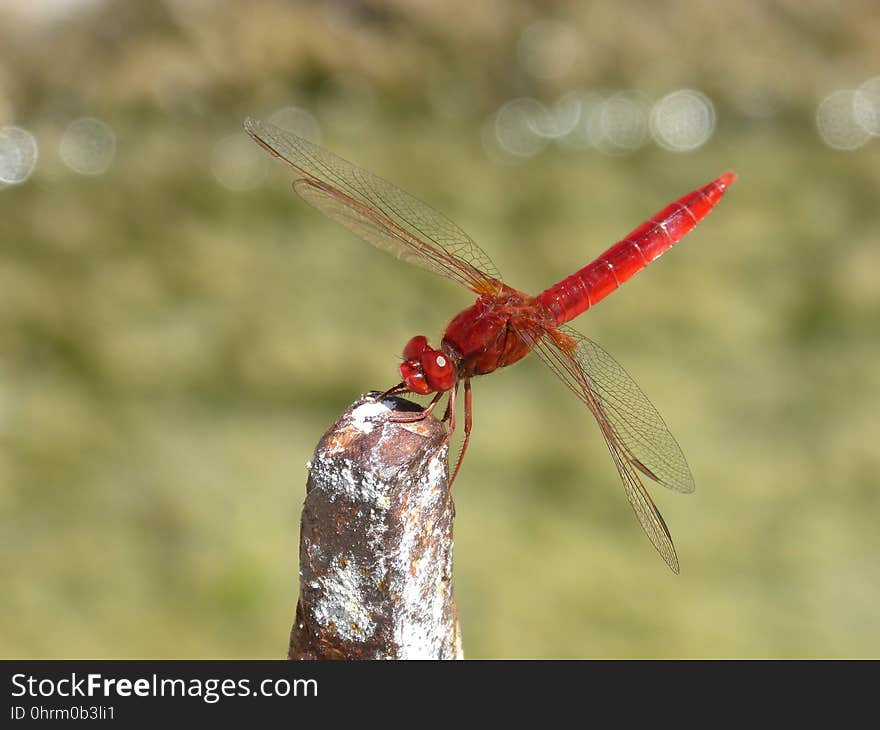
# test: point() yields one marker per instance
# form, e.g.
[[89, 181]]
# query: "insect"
[[504, 324]]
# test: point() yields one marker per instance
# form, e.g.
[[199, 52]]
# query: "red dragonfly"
[[505, 324]]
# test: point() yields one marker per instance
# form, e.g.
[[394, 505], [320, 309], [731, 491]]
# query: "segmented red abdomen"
[[580, 291]]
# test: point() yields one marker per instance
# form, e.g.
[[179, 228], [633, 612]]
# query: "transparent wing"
[[598, 379], [379, 212], [635, 433], [646, 511]]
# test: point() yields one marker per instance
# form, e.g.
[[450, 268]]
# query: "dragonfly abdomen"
[[580, 291]]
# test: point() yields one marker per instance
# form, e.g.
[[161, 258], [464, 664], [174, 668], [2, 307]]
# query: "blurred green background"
[[177, 329]]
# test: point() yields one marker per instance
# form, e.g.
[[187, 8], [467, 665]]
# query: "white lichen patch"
[[342, 479], [364, 415], [436, 467], [420, 631], [344, 600]]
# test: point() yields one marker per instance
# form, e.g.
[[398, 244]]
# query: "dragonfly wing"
[[634, 431], [602, 383], [646, 511], [378, 211]]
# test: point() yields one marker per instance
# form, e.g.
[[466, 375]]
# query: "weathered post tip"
[[376, 541]]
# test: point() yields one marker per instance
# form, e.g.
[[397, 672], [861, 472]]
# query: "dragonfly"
[[504, 324]]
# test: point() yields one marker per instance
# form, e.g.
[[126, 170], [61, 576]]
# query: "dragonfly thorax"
[[424, 369]]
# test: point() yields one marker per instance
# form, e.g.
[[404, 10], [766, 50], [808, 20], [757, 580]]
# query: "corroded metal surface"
[[376, 541]]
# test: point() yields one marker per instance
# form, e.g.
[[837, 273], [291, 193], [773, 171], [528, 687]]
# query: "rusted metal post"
[[376, 541]]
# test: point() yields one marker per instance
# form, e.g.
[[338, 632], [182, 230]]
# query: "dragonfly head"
[[424, 369]]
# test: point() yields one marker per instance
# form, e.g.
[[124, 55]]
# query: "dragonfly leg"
[[395, 390], [411, 416], [449, 413], [468, 421]]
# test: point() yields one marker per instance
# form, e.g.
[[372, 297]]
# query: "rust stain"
[[337, 442]]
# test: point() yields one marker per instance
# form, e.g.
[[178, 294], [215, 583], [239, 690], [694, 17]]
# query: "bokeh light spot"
[[517, 126], [567, 111], [88, 146], [18, 155], [586, 131], [866, 106], [837, 122], [683, 120], [623, 123], [237, 163], [299, 121], [551, 123]]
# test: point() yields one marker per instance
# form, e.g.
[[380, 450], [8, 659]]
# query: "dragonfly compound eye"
[[438, 370], [415, 347]]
